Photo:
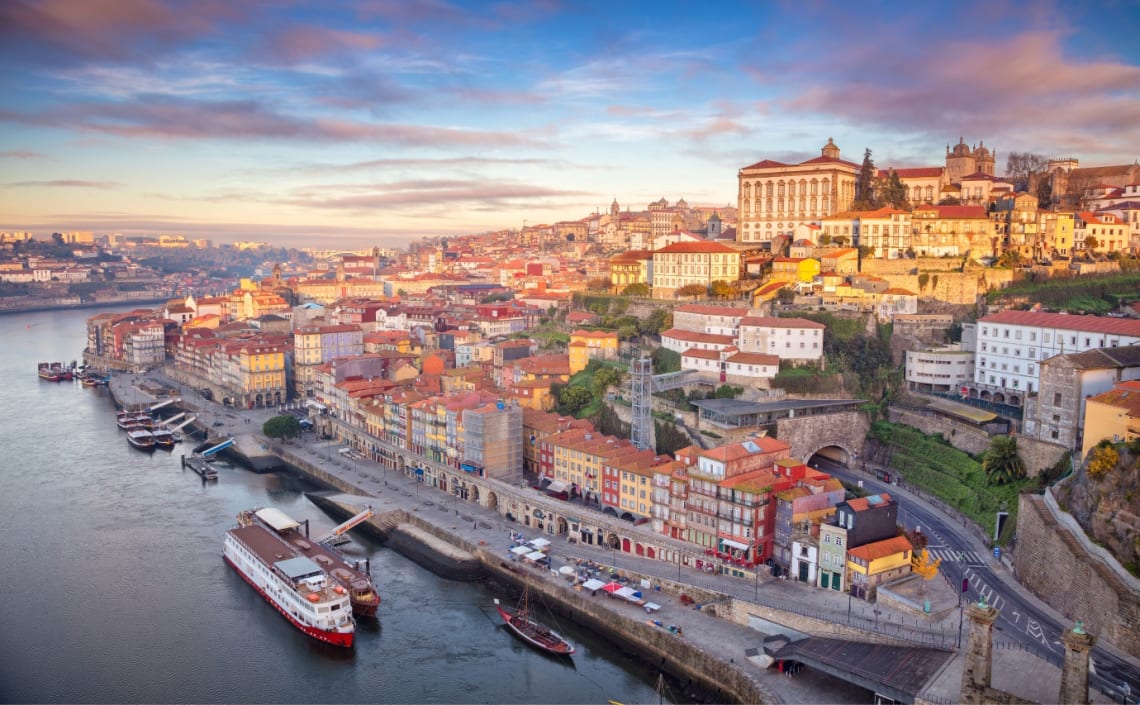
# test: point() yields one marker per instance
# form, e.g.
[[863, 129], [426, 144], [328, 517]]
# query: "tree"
[[1102, 459], [1091, 243], [1020, 166], [573, 399], [670, 439], [722, 289], [865, 198], [824, 240], [893, 192], [665, 360], [606, 377], [950, 201], [692, 290], [658, 320], [598, 284], [283, 426], [840, 240], [636, 289], [1001, 463], [925, 566]]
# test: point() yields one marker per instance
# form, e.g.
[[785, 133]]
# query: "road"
[[1022, 619]]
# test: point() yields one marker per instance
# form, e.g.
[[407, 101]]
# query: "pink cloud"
[[227, 120], [417, 193], [116, 30], [303, 43], [63, 183], [21, 154]]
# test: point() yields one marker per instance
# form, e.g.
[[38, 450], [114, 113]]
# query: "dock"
[[199, 465]]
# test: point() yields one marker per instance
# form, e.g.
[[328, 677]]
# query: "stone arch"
[[986, 396], [613, 541], [639, 548], [442, 481], [1014, 400], [624, 545], [999, 398], [492, 502], [650, 552], [561, 526], [474, 493]]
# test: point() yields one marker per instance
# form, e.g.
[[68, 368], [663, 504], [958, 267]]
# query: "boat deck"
[[271, 549]]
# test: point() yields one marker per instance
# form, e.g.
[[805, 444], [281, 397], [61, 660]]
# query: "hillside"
[[1108, 506]]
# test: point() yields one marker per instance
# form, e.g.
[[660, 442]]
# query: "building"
[[586, 345], [493, 442], [963, 160], [1012, 344], [857, 522], [951, 231], [1113, 415], [1057, 412], [687, 263], [706, 318], [774, 198], [795, 339], [878, 562], [923, 184], [1100, 233], [943, 370], [632, 267], [316, 345]]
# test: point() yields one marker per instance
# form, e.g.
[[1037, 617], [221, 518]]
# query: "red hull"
[[334, 638], [535, 634]]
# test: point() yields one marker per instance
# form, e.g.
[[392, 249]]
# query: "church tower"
[[830, 150]]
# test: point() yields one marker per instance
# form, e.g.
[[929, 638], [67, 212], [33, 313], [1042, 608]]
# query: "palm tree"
[[1001, 462]]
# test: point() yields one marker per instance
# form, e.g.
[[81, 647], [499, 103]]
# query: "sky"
[[376, 122]]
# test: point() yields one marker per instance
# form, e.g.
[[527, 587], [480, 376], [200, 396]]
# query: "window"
[[1056, 398]]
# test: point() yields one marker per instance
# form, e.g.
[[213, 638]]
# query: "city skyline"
[[382, 122]]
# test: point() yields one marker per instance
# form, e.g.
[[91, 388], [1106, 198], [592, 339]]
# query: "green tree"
[[283, 426], [865, 198], [606, 377], [659, 319], [727, 391], [1091, 243], [665, 360], [636, 289], [893, 192], [573, 399], [670, 439], [1001, 463], [598, 284]]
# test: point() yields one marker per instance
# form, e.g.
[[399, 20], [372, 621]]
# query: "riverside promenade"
[[734, 646]]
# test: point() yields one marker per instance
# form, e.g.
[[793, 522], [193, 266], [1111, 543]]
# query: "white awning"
[[279, 520], [557, 486], [593, 584], [536, 556], [521, 550], [540, 543], [734, 544]]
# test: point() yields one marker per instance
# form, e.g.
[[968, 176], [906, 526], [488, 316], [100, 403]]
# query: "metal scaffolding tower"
[[643, 383]]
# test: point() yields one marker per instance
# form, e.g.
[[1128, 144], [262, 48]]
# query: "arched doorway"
[[625, 545], [562, 527], [443, 481], [639, 549], [651, 552], [612, 541], [832, 456], [492, 501], [475, 493]]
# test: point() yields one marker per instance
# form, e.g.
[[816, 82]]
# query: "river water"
[[114, 589]]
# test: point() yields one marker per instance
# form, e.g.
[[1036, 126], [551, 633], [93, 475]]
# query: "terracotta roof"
[[696, 248], [862, 504], [702, 354], [881, 549], [1091, 324], [708, 310], [830, 160], [1125, 395], [766, 164], [755, 359], [689, 336], [771, 322]]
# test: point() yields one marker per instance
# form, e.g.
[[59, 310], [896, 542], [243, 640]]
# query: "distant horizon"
[[383, 123]]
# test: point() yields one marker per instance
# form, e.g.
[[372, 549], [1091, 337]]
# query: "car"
[[219, 423]]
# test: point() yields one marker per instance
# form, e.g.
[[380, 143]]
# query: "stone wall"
[[1052, 563], [963, 436], [807, 434], [1038, 455], [741, 612], [943, 280]]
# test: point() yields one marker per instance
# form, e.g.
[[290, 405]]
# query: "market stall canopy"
[[536, 556], [593, 584], [540, 543], [521, 550], [612, 587]]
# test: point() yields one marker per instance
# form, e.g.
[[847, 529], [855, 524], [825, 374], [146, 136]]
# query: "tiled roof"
[[772, 322], [1125, 395], [696, 248], [1091, 324], [766, 164], [881, 549], [755, 359], [708, 310], [702, 354], [689, 336], [861, 504]]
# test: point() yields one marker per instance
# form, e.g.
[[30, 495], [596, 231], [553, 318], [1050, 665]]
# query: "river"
[[114, 589]]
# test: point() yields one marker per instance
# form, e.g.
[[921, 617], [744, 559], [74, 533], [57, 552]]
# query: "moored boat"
[[288, 579], [163, 438], [50, 371], [136, 420], [141, 438], [349, 574], [532, 631]]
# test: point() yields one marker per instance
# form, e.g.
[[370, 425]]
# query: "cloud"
[[419, 193], [302, 43], [172, 118], [21, 154], [1023, 92], [56, 32], [63, 183]]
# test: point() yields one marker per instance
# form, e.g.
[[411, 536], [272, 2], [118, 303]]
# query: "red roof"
[[1091, 324], [689, 336], [920, 172], [881, 549], [771, 322], [830, 160], [766, 164], [696, 247], [755, 359]]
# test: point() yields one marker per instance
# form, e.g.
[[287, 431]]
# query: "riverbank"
[[107, 303]]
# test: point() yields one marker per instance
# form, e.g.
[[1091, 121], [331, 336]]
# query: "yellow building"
[[586, 345], [261, 370], [1059, 234], [795, 269], [630, 268], [875, 563], [1114, 415]]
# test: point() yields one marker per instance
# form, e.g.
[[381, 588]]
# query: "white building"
[[1012, 344], [945, 370], [704, 318], [787, 338]]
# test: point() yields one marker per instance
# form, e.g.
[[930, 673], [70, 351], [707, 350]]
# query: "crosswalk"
[[953, 555]]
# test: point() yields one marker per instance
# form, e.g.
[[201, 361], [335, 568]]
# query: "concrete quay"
[[715, 656]]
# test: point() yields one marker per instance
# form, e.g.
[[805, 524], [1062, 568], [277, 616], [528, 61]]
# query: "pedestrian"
[[475, 525]]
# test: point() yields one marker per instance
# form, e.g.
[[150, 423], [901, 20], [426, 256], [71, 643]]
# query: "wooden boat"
[[531, 631], [141, 438], [163, 438]]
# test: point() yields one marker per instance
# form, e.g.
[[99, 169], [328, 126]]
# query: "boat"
[[141, 438], [530, 630], [163, 438], [52, 371], [134, 421], [352, 576], [282, 573]]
